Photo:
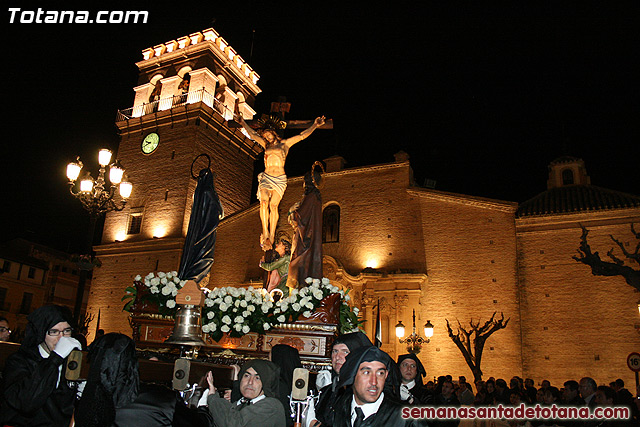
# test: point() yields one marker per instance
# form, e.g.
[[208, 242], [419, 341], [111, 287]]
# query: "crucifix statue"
[[273, 182]]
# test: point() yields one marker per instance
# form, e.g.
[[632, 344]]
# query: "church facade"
[[391, 243]]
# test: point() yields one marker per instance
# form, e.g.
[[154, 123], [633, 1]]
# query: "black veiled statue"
[[206, 213]]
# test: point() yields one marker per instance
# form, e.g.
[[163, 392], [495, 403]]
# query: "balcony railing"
[[175, 101]]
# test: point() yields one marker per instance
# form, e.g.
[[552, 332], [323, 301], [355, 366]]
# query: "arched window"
[[331, 224], [567, 177]]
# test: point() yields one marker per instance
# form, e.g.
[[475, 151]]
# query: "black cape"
[[30, 394]]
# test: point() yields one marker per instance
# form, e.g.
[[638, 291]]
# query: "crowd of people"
[[364, 388]]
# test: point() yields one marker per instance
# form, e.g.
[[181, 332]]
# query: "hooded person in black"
[[287, 359], [365, 374], [34, 390], [259, 404], [342, 346], [412, 390], [114, 395]]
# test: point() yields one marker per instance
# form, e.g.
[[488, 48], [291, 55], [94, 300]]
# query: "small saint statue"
[[273, 182], [279, 268]]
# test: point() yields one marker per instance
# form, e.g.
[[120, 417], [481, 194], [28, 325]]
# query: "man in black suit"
[[412, 391], [364, 403]]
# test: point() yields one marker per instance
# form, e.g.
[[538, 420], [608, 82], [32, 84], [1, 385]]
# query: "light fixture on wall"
[[414, 341]]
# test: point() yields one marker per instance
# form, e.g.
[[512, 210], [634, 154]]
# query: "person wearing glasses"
[[34, 390], [5, 332]]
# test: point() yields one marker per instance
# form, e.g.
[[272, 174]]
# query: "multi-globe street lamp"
[[414, 341], [97, 200]]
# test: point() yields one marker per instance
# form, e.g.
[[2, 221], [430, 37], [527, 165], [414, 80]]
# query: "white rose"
[[243, 303], [317, 294], [208, 302], [223, 307], [176, 280], [225, 328], [265, 308], [137, 278], [325, 281], [246, 313], [166, 290], [164, 281], [307, 313], [238, 319], [309, 305], [210, 315], [296, 306], [182, 282], [308, 280], [149, 276], [155, 281], [251, 308], [161, 274], [245, 329], [228, 299], [316, 282], [171, 303], [281, 318], [205, 329], [174, 273], [266, 326], [212, 327], [227, 320], [155, 290], [174, 292], [238, 327]]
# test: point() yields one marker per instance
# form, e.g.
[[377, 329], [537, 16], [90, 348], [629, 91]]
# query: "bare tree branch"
[[605, 268], [472, 352]]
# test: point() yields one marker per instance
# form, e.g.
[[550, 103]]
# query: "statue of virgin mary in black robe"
[[206, 213]]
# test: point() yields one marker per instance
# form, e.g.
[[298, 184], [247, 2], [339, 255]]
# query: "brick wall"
[[575, 324], [471, 263]]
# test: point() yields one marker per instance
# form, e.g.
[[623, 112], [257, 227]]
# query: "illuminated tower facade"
[[188, 91]]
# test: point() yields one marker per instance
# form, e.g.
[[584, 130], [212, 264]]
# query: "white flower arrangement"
[[238, 311], [162, 290]]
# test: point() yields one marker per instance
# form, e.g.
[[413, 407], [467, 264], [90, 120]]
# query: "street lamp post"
[[97, 200], [414, 341]]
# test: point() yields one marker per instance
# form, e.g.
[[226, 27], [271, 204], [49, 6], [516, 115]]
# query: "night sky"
[[481, 96]]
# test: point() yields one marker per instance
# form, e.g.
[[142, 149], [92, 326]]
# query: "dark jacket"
[[154, 406], [389, 413], [30, 396]]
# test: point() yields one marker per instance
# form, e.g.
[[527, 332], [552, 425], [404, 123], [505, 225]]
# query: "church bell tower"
[[187, 94]]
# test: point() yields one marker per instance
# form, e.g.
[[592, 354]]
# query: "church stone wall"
[[120, 264], [470, 254], [575, 324]]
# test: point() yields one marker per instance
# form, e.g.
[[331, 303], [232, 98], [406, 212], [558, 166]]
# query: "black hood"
[[353, 340], [40, 321], [287, 359], [269, 375], [113, 380], [360, 355], [421, 371]]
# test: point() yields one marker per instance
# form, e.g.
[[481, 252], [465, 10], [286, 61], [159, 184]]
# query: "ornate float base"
[[312, 336]]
